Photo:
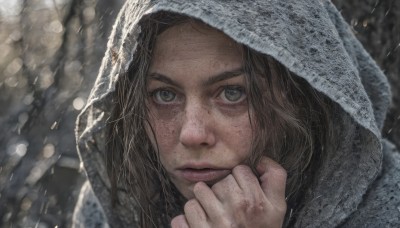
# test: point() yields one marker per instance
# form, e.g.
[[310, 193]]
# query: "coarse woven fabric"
[[312, 40]]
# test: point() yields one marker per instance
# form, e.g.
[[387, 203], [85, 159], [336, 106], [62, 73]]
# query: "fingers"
[[208, 200], [226, 189], [273, 181], [248, 183], [194, 213], [179, 222], [240, 199]]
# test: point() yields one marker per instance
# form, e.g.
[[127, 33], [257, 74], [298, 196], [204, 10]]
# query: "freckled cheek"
[[166, 134], [238, 135], [164, 122]]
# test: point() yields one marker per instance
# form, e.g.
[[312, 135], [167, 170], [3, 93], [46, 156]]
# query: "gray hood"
[[312, 40]]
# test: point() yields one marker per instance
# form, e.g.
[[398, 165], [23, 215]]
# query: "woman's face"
[[197, 105]]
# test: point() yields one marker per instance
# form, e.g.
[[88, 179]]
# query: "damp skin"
[[197, 104], [200, 118]]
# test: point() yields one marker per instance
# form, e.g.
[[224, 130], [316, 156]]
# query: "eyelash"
[[223, 89], [153, 94], [241, 89]]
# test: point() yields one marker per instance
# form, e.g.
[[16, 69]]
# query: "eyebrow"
[[210, 81], [223, 76], [163, 78]]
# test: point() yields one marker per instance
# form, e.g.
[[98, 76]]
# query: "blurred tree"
[[55, 51]]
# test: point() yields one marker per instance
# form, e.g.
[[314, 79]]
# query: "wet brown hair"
[[290, 121]]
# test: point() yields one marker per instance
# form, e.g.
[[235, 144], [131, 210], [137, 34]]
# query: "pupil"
[[233, 94], [166, 95]]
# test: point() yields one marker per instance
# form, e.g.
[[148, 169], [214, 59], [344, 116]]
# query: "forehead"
[[194, 32], [195, 45]]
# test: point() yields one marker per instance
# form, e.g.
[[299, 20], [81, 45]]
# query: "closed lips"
[[208, 175]]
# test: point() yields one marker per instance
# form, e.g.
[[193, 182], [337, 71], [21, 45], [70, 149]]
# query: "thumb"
[[273, 180]]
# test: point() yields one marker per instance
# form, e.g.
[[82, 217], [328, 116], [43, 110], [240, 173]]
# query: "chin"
[[187, 192]]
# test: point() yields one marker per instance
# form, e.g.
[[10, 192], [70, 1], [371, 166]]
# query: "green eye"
[[234, 93], [164, 96]]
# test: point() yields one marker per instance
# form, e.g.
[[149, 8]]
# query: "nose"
[[197, 130]]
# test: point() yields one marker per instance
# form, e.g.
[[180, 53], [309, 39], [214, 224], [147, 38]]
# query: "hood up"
[[313, 41]]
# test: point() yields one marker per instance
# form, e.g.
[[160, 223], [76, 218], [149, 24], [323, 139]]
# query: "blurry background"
[[50, 52]]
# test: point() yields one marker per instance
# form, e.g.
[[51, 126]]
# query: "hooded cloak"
[[358, 184]]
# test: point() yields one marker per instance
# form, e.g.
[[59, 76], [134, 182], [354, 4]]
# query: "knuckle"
[[242, 203], [258, 208], [191, 205], [282, 172], [251, 208], [279, 172]]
